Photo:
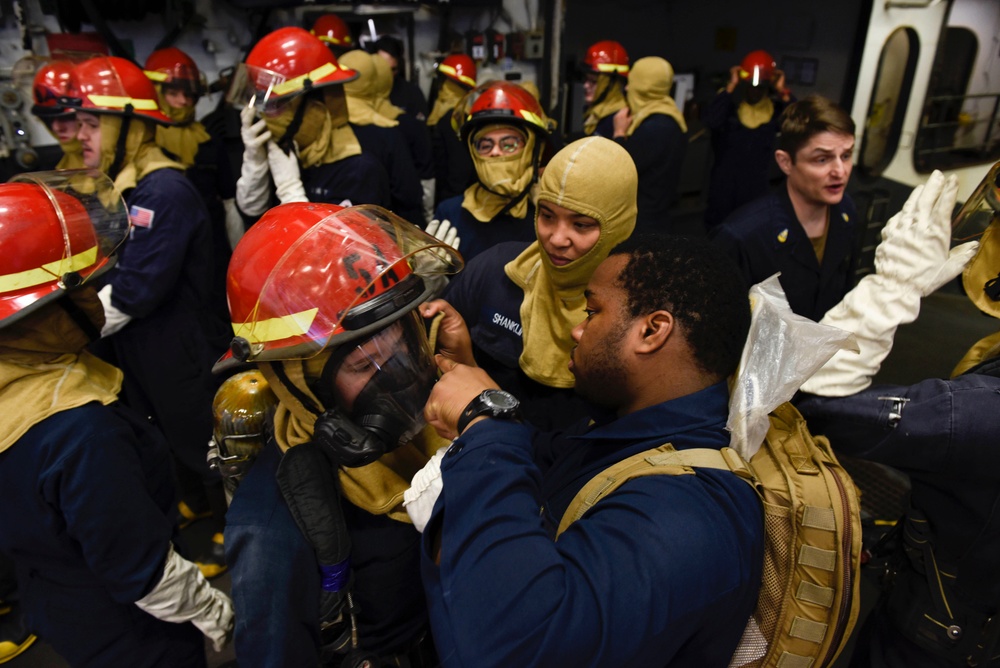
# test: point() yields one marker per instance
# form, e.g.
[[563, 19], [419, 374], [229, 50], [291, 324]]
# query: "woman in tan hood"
[[521, 301], [653, 131]]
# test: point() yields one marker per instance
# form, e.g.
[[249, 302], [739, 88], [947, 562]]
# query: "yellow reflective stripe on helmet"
[[611, 68], [333, 40], [276, 329], [116, 102], [532, 118], [156, 76], [448, 69], [295, 84], [48, 272]]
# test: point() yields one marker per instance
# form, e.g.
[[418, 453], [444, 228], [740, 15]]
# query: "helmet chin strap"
[[604, 93], [539, 147], [118, 162], [80, 317], [286, 142]]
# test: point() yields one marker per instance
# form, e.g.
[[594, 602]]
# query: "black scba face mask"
[[387, 412]]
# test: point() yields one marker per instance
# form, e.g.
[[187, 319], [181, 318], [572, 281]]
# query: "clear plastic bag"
[[782, 351]]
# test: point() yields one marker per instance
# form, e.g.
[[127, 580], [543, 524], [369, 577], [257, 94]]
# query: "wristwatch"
[[494, 403]]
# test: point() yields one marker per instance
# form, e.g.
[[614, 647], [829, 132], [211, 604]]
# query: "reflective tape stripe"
[[276, 329], [448, 69], [156, 76], [116, 102], [808, 630], [610, 68], [48, 272], [819, 518], [532, 118], [813, 593], [818, 558], [295, 84], [334, 40]]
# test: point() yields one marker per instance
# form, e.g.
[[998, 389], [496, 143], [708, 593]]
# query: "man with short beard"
[[663, 571]]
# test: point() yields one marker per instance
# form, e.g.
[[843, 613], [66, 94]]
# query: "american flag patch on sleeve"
[[141, 217]]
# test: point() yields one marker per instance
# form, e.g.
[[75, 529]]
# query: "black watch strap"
[[487, 404]]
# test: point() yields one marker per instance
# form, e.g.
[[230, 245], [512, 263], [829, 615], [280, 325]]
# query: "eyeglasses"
[[508, 145]]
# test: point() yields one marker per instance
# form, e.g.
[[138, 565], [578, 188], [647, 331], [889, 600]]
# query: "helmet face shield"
[[982, 207], [980, 217], [81, 198], [382, 382], [64, 231], [348, 275], [268, 92], [182, 77]]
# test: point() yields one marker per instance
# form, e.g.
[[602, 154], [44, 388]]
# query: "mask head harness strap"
[[117, 163]]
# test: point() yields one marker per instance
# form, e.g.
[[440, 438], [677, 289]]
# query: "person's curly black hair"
[[699, 285]]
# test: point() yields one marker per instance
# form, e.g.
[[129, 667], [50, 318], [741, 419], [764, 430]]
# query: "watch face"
[[501, 400]]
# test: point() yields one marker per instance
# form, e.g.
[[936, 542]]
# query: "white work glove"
[[429, 186], [914, 249], [912, 261], [285, 172], [114, 319], [184, 595], [424, 490], [234, 223], [443, 231], [252, 187]]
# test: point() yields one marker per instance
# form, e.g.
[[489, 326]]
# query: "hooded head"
[[507, 133], [595, 177], [648, 93], [363, 92]]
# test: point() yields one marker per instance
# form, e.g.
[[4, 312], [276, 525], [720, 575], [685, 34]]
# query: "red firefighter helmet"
[[502, 102], [49, 87], [460, 68], [758, 68], [112, 85], [309, 275], [53, 242], [172, 67], [284, 64], [331, 29], [607, 57]]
